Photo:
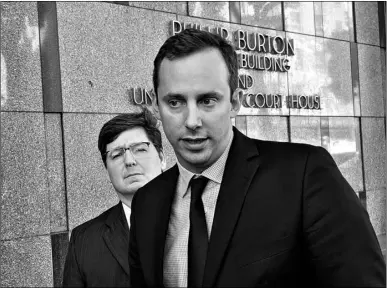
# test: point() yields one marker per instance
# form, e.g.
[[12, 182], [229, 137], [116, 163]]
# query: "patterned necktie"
[[198, 235]]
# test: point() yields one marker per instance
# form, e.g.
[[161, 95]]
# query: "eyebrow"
[[174, 95], [200, 96], [209, 94], [124, 146]]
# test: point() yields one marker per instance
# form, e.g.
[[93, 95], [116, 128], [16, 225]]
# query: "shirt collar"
[[214, 172], [127, 212]]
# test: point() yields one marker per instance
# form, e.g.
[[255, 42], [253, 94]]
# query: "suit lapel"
[[116, 236], [158, 222], [241, 165]]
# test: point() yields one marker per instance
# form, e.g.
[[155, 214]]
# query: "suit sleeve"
[[136, 273], [72, 276], [341, 243]]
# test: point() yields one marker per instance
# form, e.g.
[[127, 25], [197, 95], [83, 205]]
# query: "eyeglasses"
[[139, 151]]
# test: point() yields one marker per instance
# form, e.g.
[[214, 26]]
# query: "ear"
[[155, 105], [236, 102], [163, 161]]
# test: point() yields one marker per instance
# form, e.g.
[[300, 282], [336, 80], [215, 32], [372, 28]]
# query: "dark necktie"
[[198, 235]]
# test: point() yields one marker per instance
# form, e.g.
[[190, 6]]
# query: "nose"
[[129, 158], [193, 120]]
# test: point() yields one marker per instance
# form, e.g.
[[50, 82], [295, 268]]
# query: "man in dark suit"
[[270, 213], [131, 150]]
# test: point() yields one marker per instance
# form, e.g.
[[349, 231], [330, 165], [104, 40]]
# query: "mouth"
[[194, 140], [133, 174], [194, 143]]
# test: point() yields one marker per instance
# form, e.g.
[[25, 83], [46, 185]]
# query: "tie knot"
[[197, 186]]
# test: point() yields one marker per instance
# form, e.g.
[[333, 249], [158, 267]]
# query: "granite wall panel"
[[25, 206], [370, 78], [235, 11], [383, 60], [338, 20], [382, 23], [324, 127], [376, 207], [321, 67], [125, 3], [345, 148], [318, 18], [240, 124], [299, 17], [307, 73], [337, 88], [178, 7], [367, 22], [355, 78], [273, 128], [305, 130], [49, 57], [218, 10], [55, 171], [263, 14], [105, 50], [26, 262], [374, 151], [21, 86]]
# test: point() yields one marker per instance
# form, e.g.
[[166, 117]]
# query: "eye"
[[141, 150], [174, 103], [208, 101], [117, 153]]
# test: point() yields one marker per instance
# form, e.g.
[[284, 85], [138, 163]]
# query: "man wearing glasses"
[[131, 150]]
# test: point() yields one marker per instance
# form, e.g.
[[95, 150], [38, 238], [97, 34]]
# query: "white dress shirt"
[[176, 244], [127, 212]]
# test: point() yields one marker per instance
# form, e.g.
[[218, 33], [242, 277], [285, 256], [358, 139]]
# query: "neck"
[[126, 199]]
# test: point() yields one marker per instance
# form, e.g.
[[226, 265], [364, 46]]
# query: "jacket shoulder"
[[167, 176], [93, 225], [287, 149]]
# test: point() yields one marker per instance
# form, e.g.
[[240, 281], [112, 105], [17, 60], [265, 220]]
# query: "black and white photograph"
[[193, 144]]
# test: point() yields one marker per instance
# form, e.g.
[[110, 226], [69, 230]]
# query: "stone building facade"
[[68, 67]]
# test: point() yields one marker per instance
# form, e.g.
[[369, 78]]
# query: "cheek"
[[170, 128], [216, 120], [114, 174], [152, 168], [172, 118]]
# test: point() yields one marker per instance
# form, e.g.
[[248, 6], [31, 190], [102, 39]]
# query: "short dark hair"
[[190, 41], [122, 122]]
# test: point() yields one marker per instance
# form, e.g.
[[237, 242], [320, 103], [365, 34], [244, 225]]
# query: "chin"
[[137, 185], [197, 162], [198, 158]]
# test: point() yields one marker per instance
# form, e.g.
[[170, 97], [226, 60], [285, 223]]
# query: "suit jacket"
[[98, 252], [284, 215]]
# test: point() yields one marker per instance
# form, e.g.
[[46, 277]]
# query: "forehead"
[[129, 136], [204, 68]]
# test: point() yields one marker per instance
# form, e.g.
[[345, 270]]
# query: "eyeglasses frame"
[[129, 148]]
